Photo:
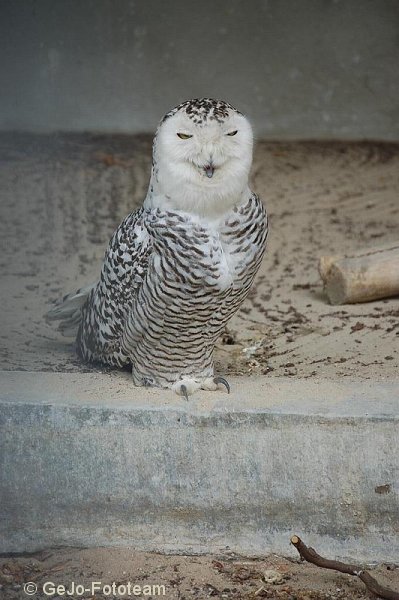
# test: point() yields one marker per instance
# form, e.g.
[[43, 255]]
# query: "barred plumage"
[[179, 267]]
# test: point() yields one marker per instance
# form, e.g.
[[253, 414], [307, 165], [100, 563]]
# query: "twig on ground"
[[310, 555]]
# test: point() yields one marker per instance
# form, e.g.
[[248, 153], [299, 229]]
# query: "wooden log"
[[361, 277]]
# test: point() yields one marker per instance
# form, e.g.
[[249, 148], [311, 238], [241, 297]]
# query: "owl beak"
[[209, 170]]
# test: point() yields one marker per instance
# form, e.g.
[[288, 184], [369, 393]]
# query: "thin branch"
[[310, 555]]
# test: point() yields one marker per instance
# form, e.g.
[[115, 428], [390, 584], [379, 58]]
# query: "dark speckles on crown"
[[202, 110]]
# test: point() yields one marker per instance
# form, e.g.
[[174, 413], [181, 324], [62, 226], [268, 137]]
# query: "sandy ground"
[[183, 577], [62, 197]]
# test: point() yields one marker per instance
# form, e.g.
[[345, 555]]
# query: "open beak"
[[209, 170]]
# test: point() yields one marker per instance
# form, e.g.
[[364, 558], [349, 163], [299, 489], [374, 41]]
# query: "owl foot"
[[211, 383], [186, 387]]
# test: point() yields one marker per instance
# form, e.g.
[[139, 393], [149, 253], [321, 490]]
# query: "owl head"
[[202, 156]]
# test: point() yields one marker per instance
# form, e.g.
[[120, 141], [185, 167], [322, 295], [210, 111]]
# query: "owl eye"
[[184, 136], [232, 132]]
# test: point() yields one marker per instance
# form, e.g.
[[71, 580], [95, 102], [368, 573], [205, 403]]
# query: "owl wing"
[[105, 312]]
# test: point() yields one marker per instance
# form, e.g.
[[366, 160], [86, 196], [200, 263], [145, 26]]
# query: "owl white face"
[[203, 153]]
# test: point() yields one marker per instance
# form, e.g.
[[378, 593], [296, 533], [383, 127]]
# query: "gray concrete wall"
[[305, 68], [89, 460]]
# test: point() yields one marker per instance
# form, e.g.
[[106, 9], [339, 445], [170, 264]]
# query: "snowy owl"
[[180, 266]]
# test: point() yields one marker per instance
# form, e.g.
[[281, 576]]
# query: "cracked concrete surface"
[[63, 195], [106, 464]]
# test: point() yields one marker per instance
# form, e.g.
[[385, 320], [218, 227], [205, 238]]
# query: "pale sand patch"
[[184, 577], [62, 197]]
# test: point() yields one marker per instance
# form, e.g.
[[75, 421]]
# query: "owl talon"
[[223, 381], [183, 391]]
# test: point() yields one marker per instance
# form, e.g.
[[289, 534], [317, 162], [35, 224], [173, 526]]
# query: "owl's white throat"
[[207, 192]]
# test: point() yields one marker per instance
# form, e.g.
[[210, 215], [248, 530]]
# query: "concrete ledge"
[[88, 459]]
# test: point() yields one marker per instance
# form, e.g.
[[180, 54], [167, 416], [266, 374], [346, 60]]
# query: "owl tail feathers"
[[68, 311]]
